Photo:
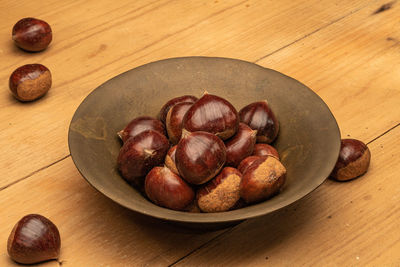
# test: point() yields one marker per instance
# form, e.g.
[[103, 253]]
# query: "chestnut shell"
[[199, 156], [140, 154], [162, 115], [259, 116], [174, 121], [240, 145], [265, 150], [139, 125], [212, 114], [32, 34], [34, 239]]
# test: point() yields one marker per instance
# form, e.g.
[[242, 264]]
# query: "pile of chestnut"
[[201, 155]]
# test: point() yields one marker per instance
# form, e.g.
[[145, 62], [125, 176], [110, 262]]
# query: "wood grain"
[[340, 224], [93, 43]]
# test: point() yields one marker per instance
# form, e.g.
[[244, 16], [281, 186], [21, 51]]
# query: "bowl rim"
[[253, 211]]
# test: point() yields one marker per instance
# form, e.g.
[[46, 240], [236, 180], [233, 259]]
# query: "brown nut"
[[265, 150], [221, 193], [162, 115], [29, 82], [240, 145], [34, 239], [353, 161], [174, 121], [32, 34], [244, 164], [170, 160], [139, 125], [263, 179], [166, 189]]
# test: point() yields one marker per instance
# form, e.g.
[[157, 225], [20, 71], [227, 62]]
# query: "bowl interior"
[[308, 141]]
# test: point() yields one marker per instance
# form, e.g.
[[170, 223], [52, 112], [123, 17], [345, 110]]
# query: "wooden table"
[[348, 52]]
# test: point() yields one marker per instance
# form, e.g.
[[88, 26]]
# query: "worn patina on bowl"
[[308, 141]]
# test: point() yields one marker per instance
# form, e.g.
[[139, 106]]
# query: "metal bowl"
[[308, 141]]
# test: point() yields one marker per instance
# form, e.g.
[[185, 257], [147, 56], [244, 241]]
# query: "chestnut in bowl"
[[245, 163], [174, 121], [167, 189], [162, 114], [212, 114], [170, 160], [259, 116], [240, 145], [140, 154], [353, 161], [139, 125], [199, 156], [265, 150]]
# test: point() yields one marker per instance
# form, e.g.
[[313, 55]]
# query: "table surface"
[[348, 52]]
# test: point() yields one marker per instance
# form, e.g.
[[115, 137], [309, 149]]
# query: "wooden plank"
[[94, 230], [93, 42], [353, 65], [339, 224]]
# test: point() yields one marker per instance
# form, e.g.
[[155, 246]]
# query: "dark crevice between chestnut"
[[311, 33], [384, 7], [204, 244], [34, 172], [379, 136]]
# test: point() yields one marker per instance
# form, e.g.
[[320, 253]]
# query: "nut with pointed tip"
[[221, 193], [166, 189], [259, 116], [32, 34], [263, 179], [139, 125], [34, 239], [170, 160], [240, 145], [174, 121], [212, 114], [162, 115], [30, 82], [265, 150], [199, 156], [353, 161], [140, 154]]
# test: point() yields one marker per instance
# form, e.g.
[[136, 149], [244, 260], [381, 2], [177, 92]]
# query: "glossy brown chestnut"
[[260, 117], [174, 121], [199, 156], [29, 82], [140, 154], [139, 125], [263, 179], [221, 193], [265, 150], [162, 115], [170, 160], [212, 114], [244, 164], [34, 239], [240, 145], [32, 34], [166, 189], [353, 161]]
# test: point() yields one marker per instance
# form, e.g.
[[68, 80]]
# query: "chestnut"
[[170, 160], [263, 178], [162, 115], [30, 82], [265, 150], [221, 193], [140, 154], [141, 124], [353, 161], [212, 114], [259, 116], [167, 189], [174, 121], [240, 145], [199, 156], [244, 164], [34, 239], [32, 34]]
